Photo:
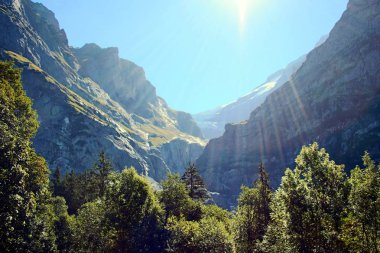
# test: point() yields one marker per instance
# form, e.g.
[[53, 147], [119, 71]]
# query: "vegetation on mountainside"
[[317, 208], [102, 109]]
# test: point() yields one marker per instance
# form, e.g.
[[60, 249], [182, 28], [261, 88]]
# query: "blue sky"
[[201, 53]]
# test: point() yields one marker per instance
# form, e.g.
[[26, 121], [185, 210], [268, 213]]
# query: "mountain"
[[89, 99], [333, 98], [212, 122]]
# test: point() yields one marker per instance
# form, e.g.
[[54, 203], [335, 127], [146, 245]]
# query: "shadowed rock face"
[[89, 99], [334, 99]]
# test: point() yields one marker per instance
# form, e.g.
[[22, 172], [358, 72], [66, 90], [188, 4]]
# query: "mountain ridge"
[[212, 122], [334, 99], [78, 117]]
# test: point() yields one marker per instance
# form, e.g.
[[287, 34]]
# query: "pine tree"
[[56, 182], [263, 205], [195, 185], [103, 167], [253, 214]]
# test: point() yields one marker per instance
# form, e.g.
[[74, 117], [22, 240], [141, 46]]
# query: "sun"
[[241, 10]]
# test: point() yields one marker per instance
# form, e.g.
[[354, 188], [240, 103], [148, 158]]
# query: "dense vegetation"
[[317, 208]]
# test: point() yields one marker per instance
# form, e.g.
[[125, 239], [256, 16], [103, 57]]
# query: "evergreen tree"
[[56, 182], [263, 203], [195, 185], [79, 188], [103, 167], [253, 214]]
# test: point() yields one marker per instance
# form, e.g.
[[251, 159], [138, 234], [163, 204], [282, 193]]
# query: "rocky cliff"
[[333, 98], [89, 99]]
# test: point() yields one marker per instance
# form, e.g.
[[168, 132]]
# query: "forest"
[[320, 206]]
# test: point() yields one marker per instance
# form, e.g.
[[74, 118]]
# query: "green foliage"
[[23, 174], [192, 225], [308, 205], [207, 235], [91, 232], [316, 209], [80, 188], [361, 227], [174, 197], [253, 214], [133, 211], [195, 185], [102, 169]]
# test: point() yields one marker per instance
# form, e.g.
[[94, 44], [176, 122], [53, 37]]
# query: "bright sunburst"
[[241, 9]]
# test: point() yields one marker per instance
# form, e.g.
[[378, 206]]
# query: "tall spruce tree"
[[263, 205], [253, 214], [56, 182], [195, 185], [103, 167]]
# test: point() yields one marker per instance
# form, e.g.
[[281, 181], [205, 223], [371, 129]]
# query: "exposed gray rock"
[[78, 117], [334, 99], [125, 82], [179, 154]]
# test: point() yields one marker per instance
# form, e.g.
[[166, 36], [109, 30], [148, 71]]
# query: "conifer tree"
[[56, 182], [103, 167], [263, 205], [253, 214], [195, 185]]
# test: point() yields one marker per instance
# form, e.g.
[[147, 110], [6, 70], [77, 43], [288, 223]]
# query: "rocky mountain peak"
[[333, 98], [123, 80], [89, 99]]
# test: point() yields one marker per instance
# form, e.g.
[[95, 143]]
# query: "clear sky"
[[201, 53]]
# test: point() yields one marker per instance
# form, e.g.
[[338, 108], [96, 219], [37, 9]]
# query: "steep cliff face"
[[82, 107], [212, 122], [179, 154], [125, 82], [334, 99]]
